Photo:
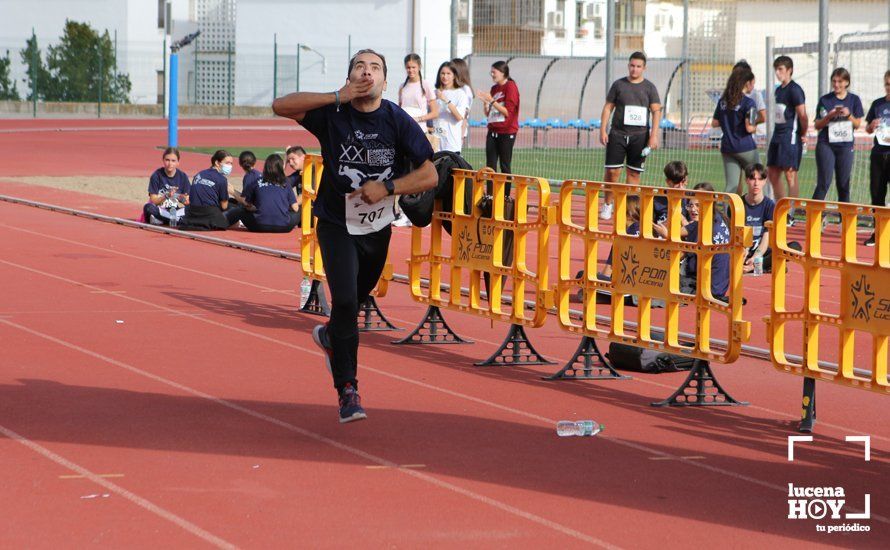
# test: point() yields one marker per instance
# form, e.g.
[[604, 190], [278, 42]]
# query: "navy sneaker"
[[351, 405], [320, 337], [870, 241]]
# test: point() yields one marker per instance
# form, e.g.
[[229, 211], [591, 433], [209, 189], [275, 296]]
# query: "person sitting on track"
[[247, 161], [295, 156], [676, 176], [270, 203], [168, 182], [719, 235], [208, 207]]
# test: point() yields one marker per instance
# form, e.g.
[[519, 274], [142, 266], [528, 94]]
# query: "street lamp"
[[324, 62]]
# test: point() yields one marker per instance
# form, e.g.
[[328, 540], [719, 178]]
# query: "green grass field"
[[587, 164]]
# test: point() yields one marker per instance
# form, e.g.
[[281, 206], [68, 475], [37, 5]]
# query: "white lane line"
[[547, 421], [783, 414], [117, 489], [379, 461]]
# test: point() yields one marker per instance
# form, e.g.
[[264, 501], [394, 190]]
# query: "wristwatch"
[[390, 187]]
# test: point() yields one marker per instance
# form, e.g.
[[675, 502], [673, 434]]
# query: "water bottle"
[[566, 428], [172, 211], [305, 289], [758, 266], [646, 151]]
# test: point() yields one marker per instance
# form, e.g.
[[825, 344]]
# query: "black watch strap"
[[390, 187]]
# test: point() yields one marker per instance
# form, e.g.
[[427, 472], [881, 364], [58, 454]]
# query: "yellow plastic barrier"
[[476, 248], [648, 267], [310, 252], [864, 312]]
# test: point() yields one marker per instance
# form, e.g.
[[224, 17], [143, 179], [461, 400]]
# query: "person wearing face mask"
[[208, 207], [372, 151]]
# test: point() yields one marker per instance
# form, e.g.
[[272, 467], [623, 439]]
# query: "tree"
[[8, 88], [32, 58], [82, 67]]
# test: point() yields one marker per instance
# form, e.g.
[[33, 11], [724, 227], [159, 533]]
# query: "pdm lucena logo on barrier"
[[862, 297], [832, 504]]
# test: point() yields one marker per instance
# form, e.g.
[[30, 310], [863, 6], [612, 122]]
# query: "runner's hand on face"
[[372, 191], [355, 89]]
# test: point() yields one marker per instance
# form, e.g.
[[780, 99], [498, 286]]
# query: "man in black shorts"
[[372, 151], [633, 134]]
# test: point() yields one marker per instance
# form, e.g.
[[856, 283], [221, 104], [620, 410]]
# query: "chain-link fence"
[[556, 50]]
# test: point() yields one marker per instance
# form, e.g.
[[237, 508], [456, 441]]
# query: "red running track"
[[177, 379]]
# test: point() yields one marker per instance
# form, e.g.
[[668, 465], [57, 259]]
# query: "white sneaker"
[[606, 211]]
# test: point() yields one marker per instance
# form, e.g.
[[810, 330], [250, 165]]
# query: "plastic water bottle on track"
[[583, 428], [173, 210], [758, 266], [305, 289]]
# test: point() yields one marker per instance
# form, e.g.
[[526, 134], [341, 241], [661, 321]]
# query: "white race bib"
[[780, 113], [362, 218], [495, 116], [634, 115], [840, 132], [882, 134]]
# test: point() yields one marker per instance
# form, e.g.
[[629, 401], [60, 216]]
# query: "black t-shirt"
[[384, 144], [632, 101]]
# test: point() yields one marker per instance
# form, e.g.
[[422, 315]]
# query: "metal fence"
[[557, 52]]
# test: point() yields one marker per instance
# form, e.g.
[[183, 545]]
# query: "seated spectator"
[[759, 209], [720, 235], [676, 176], [208, 203], [272, 205], [166, 185], [295, 156], [247, 161]]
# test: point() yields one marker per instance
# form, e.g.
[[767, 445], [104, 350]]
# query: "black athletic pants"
[[880, 178], [248, 218], [499, 147], [353, 264], [837, 160]]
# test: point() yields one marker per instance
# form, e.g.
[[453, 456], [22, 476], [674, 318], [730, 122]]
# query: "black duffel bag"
[[419, 206], [633, 358]]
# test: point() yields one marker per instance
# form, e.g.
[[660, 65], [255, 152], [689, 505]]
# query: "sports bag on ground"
[[632, 358]]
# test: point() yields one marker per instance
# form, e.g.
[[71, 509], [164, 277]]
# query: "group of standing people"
[[839, 114], [443, 110]]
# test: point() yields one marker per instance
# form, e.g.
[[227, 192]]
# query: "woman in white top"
[[462, 72], [453, 103], [416, 96]]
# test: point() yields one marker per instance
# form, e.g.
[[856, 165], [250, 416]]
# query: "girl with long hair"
[[416, 96], [736, 114], [272, 206], [502, 110], [453, 106]]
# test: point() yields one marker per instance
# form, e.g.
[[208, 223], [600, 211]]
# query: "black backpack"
[[419, 206], [632, 358]]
